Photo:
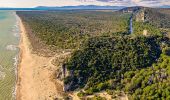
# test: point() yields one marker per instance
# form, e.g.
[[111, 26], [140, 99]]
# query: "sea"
[[9, 54]]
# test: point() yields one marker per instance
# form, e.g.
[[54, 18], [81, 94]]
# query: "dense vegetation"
[[102, 59], [156, 21], [151, 83], [158, 17], [105, 56], [139, 27], [114, 63], [67, 29]]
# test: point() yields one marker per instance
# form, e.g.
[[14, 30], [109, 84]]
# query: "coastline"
[[35, 73], [18, 65], [35, 77]]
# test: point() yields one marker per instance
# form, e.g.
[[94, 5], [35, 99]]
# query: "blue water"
[[9, 40]]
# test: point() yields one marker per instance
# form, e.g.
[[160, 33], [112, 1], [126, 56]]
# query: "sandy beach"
[[35, 74]]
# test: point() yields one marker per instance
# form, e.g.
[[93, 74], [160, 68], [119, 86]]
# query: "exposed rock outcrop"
[[140, 15]]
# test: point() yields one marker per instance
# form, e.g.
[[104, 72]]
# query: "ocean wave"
[[16, 28], [16, 34], [11, 47], [16, 60], [14, 92]]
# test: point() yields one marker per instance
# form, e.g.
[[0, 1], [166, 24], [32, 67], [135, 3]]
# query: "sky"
[[34, 3]]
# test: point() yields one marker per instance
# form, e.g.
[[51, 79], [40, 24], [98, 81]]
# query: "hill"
[[80, 7], [149, 21], [119, 64]]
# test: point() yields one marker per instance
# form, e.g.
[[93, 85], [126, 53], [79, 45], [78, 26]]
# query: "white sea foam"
[[16, 58], [16, 34], [11, 47], [14, 89], [15, 28], [15, 61]]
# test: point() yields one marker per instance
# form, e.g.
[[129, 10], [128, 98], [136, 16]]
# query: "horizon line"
[[82, 5]]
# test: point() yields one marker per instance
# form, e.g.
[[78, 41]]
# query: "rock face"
[[131, 9], [63, 73], [59, 74], [140, 16]]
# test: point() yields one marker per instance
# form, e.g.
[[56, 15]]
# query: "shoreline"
[[34, 73], [17, 56], [19, 61]]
